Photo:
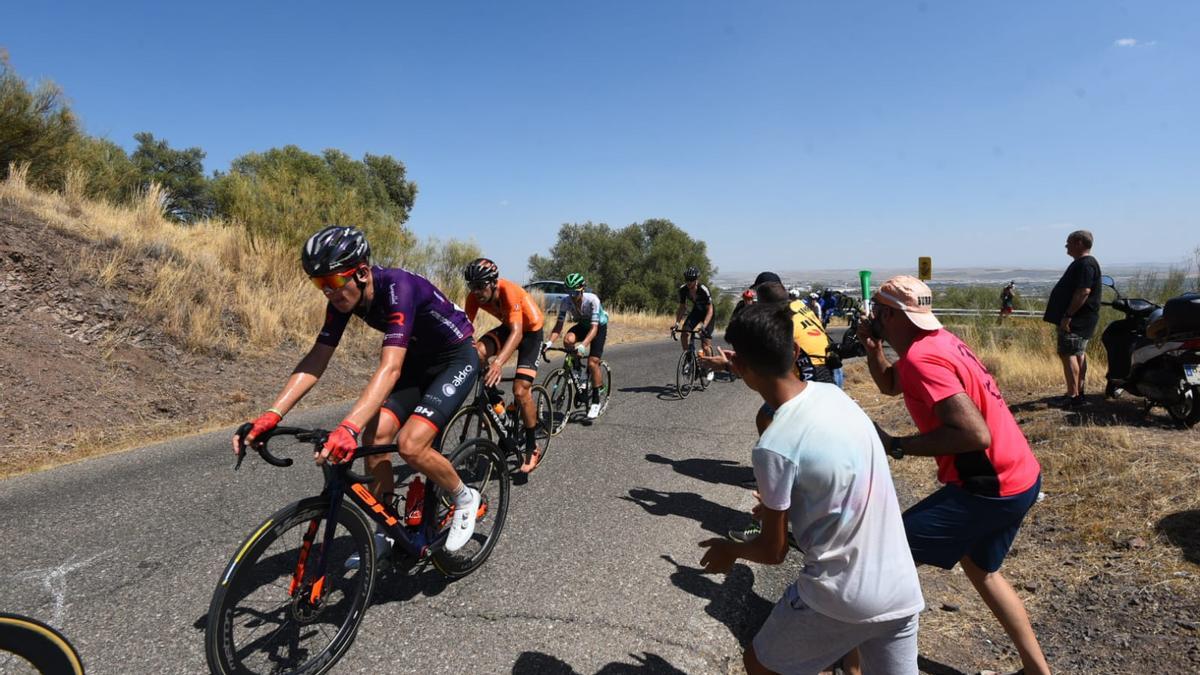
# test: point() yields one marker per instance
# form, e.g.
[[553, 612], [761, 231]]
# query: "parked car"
[[550, 292]]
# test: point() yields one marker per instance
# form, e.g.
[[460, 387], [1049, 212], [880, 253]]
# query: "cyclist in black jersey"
[[701, 313]]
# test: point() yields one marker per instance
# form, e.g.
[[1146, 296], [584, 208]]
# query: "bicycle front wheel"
[[562, 399], [480, 464], [469, 422], [685, 372], [45, 649], [263, 617]]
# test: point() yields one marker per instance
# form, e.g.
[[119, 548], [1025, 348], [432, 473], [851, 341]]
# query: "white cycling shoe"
[[463, 524], [594, 411]]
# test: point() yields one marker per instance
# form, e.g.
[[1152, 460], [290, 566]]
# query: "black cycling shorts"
[[580, 331], [694, 320], [528, 350], [432, 387]]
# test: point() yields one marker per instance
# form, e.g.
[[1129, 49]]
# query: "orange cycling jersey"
[[510, 304]]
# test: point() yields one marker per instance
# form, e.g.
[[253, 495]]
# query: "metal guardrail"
[[985, 312]]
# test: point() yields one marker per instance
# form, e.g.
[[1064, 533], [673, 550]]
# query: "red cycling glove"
[[263, 424], [342, 443]]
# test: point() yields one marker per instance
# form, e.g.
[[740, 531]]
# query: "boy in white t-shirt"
[[821, 467]]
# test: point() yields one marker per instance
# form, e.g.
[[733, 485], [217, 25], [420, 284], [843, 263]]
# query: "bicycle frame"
[[343, 483], [481, 403], [568, 367]]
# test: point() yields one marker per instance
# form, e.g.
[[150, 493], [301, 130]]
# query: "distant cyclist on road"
[[588, 334], [701, 313], [520, 332], [427, 367]]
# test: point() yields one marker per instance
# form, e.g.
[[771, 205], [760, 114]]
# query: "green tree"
[[287, 193], [36, 127], [180, 172], [109, 173], [639, 266]]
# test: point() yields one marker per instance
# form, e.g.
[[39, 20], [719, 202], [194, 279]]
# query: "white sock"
[[462, 496]]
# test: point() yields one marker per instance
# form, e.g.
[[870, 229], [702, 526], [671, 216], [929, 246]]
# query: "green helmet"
[[575, 281]]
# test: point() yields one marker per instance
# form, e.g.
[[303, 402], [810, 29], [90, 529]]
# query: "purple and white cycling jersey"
[[410, 312]]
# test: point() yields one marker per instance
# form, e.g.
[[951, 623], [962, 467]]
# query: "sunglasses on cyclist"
[[334, 281], [478, 285]]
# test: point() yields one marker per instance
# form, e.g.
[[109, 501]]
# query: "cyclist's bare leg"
[[416, 449], [685, 339], [380, 430], [521, 392], [569, 340], [594, 369]]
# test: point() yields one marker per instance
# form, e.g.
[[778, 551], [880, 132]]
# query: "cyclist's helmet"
[[691, 274], [481, 270], [334, 249], [575, 281]]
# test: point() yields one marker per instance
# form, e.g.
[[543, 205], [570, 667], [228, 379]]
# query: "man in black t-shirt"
[[1074, 307]]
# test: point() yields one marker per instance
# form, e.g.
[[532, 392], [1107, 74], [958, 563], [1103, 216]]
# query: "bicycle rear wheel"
[[45, 649], [562, 400], [480, 464], [262, 618], [685, 372]]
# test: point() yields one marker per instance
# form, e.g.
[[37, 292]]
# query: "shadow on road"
[[661, 392], [537, 663], [711, 516], [720, 471], [1183, 530], [732, 600]]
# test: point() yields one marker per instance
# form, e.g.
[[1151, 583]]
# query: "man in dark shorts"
[[519, 332], [701, 313], [427, 367], [990, 477], [1074, 308]]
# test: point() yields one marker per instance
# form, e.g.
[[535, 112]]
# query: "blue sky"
[[785, 134]]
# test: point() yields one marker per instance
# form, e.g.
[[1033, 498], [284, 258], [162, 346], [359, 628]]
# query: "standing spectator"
[[989, 476], [821, 468], [1074, 307], [1006, 301]]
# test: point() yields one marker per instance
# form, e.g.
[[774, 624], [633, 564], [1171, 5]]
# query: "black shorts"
[[580, 331], [432, 387], [528, 350], [694, 320]]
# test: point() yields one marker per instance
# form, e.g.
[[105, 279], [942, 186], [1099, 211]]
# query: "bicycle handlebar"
[[316, 437], [675, 331]]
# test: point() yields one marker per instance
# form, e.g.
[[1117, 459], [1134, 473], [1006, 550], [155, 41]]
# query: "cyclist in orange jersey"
[[520, 331]]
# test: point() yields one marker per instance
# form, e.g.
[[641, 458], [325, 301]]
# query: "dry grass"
[[211, 287]]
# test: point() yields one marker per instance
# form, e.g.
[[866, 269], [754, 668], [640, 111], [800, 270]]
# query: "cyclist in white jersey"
[[588, 334]]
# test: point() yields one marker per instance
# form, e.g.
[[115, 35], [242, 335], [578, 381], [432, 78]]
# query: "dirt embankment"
[[83, 372]]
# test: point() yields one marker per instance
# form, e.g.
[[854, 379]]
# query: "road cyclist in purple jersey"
[[427, 368]]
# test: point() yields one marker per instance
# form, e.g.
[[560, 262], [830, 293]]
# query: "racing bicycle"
[[488, 417], [570, 387], [689, 374], [288, 602]]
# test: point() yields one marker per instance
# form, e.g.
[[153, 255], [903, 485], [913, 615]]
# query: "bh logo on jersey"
[[449, 388]]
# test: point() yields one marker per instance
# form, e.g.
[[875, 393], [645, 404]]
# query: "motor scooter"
[[1155, 354]]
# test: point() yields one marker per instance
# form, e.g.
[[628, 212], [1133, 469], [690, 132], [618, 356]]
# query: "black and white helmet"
[[481, 270], [334, 249], [691, 273]]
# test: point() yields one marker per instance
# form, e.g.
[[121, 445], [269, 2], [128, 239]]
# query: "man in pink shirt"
[[990, 477]]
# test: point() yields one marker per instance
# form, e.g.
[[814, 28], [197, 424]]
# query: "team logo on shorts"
[[448, 389]]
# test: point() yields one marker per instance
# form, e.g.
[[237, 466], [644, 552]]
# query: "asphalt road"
[[596, 570]]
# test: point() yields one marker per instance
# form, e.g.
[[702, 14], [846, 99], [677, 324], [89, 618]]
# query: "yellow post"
[[924, 268]]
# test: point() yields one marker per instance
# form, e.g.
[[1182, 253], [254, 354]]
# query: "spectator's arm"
[[963, 430]]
